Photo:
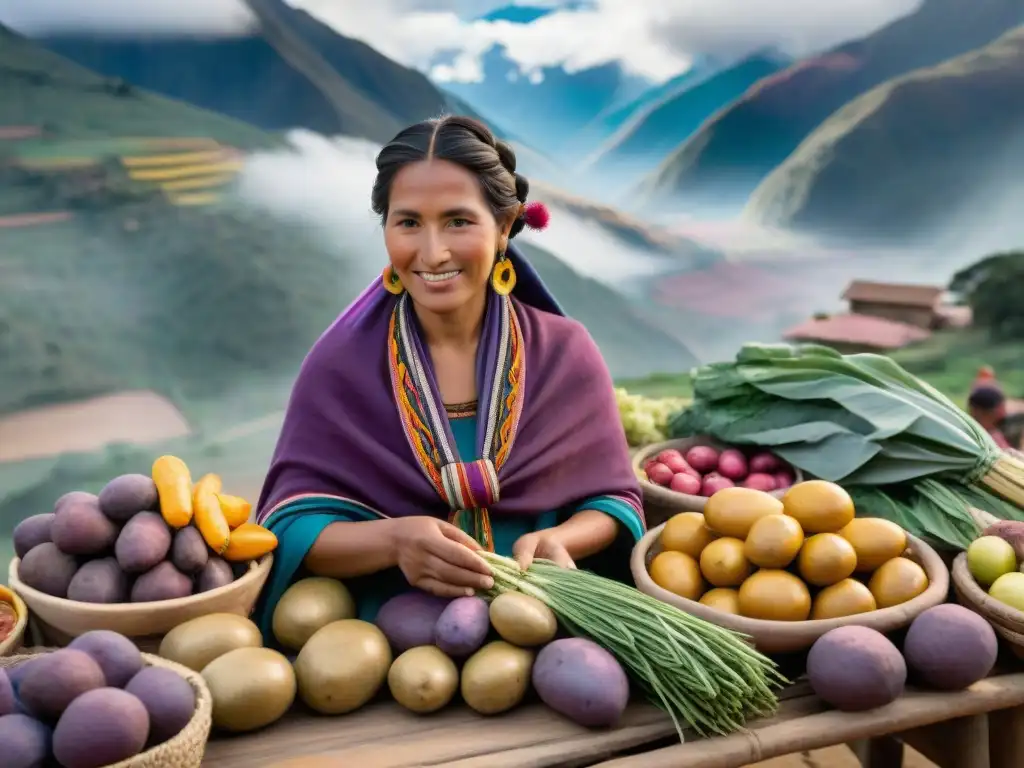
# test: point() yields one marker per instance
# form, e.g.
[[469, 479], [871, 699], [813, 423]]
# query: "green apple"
[[990, 557], [1009, 589]]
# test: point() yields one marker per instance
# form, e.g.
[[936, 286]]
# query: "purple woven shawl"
[[343, 432]]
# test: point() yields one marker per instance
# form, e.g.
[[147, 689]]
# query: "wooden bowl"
[[14, 640], [785, 636], [1007, 621], [183, 750], [661, 503], [71, 618]]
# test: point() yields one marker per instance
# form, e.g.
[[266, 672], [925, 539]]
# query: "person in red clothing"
[[987, 406]]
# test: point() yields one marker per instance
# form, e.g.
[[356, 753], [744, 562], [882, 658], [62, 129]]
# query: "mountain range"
[[924, 143], [656, 128], [721, 164], [127, 262]]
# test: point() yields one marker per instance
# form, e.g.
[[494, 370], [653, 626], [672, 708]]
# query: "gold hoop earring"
[[503, 276], [392, 283]]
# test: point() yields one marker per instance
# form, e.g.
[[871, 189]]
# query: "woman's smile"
[[439, 278]]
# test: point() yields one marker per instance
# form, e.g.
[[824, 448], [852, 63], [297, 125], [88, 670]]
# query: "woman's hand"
[[439, 558], [542, 544]]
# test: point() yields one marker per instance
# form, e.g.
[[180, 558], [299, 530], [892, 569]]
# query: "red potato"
[[659, 474], [713, 483], [669, 454], [732, 464], [783, 479], [703, 458], [678, 464], [765, 462], [760, 481], [683, 482]]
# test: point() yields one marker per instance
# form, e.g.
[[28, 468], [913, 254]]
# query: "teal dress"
[[299, 523]]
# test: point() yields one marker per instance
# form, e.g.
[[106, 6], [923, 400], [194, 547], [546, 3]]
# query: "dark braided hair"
[[466, 142]]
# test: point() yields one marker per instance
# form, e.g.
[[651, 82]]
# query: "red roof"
[[863, 330], [900, 294]]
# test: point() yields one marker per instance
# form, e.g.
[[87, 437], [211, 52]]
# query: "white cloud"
[[653, 38], [213, 17]]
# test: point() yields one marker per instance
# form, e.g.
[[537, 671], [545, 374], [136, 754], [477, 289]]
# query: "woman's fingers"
[[451, 573], [458, 535], [524, 550], [452, 550], [441, 589]]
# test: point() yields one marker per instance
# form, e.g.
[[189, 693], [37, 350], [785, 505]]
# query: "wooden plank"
[[958, 743], [772, 738], [385, 736], [1006, 738]]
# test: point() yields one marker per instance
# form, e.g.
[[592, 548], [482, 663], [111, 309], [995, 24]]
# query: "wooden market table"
[[982, 727]]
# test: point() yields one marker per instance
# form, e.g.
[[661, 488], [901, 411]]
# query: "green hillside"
[[734, 150], [152, 276], [907, 155]]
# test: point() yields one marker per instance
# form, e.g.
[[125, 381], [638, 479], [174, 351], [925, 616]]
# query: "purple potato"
[[127, 495], [58, 679], [164, 582], [189, 552], [99, 581], [17, 673], [101, 727], [408, 620], [6, 694], [24, 742], [581, 680], [855, 668], [31, 532], [168, 698], [81, 529], [48, 569], [950, 647], [118, 657], [144, 541], [74, 496], [215, 574], [462, 627]]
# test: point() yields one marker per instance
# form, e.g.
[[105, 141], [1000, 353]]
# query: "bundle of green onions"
[[697, 672], [863, 421]]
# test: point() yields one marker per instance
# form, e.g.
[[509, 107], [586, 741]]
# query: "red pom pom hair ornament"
[[536, 216]]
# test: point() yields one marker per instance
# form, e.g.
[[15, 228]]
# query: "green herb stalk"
[[701, 674]]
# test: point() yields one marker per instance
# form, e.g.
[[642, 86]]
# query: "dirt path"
[[138, 417]]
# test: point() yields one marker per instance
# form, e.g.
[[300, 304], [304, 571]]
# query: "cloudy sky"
[[654, 38]]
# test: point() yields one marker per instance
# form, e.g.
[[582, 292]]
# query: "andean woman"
[[451, 408]]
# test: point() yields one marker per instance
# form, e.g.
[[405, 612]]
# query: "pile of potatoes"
[[428, 649], [91, 704], [422, 648], [142, 539]]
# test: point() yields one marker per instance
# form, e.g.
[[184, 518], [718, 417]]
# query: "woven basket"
[[784, 636], [661, 503], [184, 750], [67, 619], [16, 638], [1008, 622]]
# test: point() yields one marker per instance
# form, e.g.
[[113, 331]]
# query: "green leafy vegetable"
[[899, 444]]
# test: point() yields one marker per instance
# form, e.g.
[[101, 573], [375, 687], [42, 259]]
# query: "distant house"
[[852, 333], [916, 305]]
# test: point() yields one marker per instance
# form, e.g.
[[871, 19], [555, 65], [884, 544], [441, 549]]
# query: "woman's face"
[[441, 235]]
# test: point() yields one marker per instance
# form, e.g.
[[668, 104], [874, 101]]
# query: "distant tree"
[[994, 289]]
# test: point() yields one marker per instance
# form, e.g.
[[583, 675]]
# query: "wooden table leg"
[[880, 752], [1006, 738], [959, 743]]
